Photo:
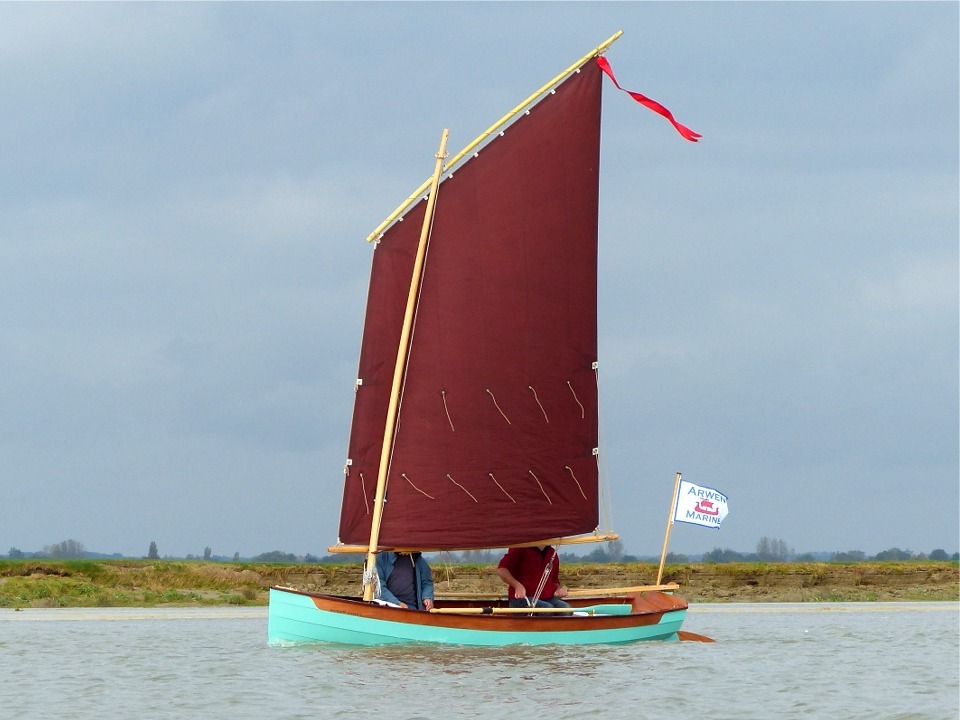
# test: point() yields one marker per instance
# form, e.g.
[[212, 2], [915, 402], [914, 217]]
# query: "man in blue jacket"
[[405, 580]]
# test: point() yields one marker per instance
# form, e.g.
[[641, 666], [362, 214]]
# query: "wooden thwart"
[[609, 592], [508, 611], [582, 593], [585, 592]]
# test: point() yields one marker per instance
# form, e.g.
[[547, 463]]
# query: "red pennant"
[[647, 102]]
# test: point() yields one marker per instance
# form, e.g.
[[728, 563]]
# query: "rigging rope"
[[363, 488], [497, 405], [443, 394], [541, 487], [582, 411], [370, 577], [404, 476], [603, 486], [530, 387], [570, 470], [501, 489], [543, 578], [462, 487]]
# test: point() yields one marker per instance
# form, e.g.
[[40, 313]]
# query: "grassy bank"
[[147, 583]]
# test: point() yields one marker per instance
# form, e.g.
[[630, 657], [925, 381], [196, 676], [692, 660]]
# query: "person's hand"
[[519, 591], [561, 592], [428, 604]]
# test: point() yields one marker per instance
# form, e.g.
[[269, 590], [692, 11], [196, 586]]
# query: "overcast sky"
[[185, 192]]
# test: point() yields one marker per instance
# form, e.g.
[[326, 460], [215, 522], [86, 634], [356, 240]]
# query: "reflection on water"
[[886, 660]]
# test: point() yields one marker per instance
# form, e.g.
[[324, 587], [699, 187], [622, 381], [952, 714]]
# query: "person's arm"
[[561, 590], [426, 584], [519, 590]]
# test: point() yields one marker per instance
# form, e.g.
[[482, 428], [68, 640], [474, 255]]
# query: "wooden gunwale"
[[653, 606]]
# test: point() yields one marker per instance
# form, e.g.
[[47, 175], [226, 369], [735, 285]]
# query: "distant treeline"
[[768, 550]]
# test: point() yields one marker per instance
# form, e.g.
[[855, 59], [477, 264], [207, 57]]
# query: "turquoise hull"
[[295, 618]]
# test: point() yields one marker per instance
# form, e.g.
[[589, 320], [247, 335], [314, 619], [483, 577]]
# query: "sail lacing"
[[541, 486], [404, 476], [570, 470], [501, 489], [363, 489], [461, 487], [530, 388], [497, 405], [443, 394], [582, 411]]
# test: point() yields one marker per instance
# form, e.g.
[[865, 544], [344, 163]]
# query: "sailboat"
[[475, 423]]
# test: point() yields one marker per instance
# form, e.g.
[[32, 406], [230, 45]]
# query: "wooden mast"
[[666, 537], [398, 371], [415, 195]]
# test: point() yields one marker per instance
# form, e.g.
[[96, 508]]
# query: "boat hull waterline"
[[297, 617]]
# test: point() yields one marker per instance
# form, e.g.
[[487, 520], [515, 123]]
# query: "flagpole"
[[666, 537]]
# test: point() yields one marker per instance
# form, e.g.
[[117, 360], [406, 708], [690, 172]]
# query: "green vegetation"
[[31, 582], [137, 583]]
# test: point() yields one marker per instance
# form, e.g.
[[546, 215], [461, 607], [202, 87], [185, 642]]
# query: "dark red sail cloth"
[[498, 417]]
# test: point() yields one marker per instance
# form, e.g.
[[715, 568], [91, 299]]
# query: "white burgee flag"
[[700, 505]]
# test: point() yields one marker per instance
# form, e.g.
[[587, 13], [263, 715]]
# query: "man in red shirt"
[[527, 569]]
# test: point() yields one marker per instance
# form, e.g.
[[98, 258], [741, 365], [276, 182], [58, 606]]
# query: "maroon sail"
[[497, 427]]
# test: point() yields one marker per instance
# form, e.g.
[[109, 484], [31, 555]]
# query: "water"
[[886, 660]]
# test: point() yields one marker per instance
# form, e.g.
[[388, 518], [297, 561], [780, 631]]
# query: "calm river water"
[[886, 660]]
